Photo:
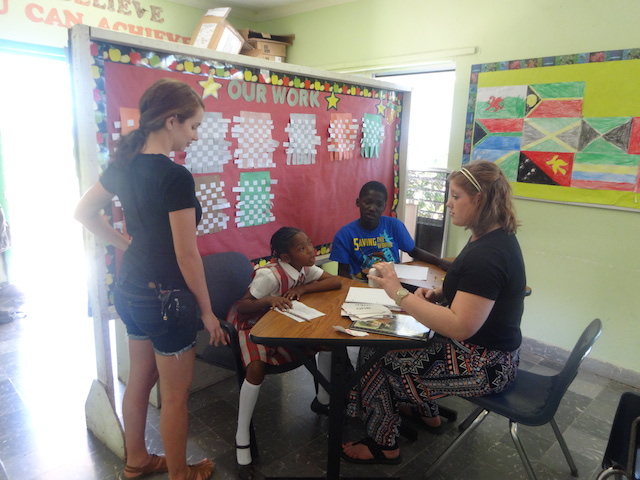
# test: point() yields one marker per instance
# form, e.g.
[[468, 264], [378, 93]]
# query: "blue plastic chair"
[[532, 400], [622, 456], [228, 276]]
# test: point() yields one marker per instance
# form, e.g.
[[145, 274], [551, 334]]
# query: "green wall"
[[582, 262]]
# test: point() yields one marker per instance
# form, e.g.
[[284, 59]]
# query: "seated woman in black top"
[[484, 290]]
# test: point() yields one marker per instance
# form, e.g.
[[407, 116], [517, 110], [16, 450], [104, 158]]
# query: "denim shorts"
[[139, 308]]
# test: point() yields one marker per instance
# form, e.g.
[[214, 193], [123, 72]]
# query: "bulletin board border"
[[609, 200]]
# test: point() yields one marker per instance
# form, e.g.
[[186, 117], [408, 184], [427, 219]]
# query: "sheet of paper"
[[365, 310], [301, 312], [348, 331], [411, 272], [369, 295]]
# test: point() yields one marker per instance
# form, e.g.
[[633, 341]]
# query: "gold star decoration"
[[209, 87], [332, 101], [381, 108]]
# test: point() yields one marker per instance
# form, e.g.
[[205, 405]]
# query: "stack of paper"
[[370, 295], [365, 311]]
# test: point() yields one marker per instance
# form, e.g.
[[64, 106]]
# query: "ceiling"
[[261, 10]]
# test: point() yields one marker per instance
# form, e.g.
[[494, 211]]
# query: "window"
[[428, 150], [430, 122]]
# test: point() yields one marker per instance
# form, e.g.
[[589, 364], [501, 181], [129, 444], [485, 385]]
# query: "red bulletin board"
[[319, 197]]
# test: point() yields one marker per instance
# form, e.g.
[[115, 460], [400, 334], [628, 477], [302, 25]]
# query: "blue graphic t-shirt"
[[361, 248]]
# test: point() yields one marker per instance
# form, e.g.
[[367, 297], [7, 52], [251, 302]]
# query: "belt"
[[165, 287]]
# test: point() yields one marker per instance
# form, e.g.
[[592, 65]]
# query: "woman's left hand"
[[212, 324], [386, 278]]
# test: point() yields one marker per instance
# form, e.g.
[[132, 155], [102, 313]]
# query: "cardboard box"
[[258, 54], [258, 43], [216, 33]]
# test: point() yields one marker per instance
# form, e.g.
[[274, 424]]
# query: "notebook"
[[400, 325]]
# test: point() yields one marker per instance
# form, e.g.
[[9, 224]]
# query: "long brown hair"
[[495, 196], [163, 99]]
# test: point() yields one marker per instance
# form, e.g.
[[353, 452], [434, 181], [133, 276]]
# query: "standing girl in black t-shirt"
[[161, 213]]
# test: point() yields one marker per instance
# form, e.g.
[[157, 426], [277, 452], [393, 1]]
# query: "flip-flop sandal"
[[416, 419], [201, 470], [156, 464], [376, 450]]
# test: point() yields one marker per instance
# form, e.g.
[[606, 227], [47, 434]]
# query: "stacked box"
[[266, 46], [216, 33]]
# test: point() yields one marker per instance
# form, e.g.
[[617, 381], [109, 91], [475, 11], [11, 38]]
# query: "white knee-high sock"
[[324, 366], [246, 405]]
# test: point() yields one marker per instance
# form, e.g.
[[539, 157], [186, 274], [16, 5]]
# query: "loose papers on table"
[[301, 312], [370, 310]]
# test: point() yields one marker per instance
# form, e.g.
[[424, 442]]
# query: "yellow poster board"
[[563, 129]]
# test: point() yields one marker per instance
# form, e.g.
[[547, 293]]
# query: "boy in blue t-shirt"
[[375, 238]]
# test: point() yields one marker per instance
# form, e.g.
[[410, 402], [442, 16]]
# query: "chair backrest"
[[570, 370], [228, 276], [634, 450], [623, 443]]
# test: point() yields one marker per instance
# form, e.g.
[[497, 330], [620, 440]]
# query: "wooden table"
[[277, 329]]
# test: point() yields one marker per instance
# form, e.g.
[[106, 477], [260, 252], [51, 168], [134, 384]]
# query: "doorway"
[[46, 260]]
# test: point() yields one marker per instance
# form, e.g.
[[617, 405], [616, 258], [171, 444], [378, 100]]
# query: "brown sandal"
[[201, 470], [156, 464]]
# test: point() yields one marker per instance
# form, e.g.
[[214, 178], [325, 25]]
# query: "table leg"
[[339, 380]]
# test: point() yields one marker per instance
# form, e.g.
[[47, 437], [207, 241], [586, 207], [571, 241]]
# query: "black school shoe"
[[249, 472], [319, 408]]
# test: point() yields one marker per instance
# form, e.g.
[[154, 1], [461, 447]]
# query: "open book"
[[399, 325]]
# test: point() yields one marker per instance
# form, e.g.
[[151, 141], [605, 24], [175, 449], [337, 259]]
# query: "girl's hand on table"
[[281, 303]]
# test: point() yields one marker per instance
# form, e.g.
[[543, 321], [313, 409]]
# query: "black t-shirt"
[[150, 187], [492, 267]]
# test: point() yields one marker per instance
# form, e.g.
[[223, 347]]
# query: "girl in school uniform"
[[275, 286]]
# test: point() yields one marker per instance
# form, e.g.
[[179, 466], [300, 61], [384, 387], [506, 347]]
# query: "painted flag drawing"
[[497, 131]]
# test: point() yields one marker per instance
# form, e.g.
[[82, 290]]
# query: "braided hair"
[[281, 240]]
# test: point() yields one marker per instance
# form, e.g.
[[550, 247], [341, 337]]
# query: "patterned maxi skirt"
[[418, 377]]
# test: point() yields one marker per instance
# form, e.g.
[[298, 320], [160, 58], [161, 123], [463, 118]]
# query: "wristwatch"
[[400, 294]]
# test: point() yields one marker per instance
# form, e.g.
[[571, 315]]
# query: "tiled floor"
[[47, 365]]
